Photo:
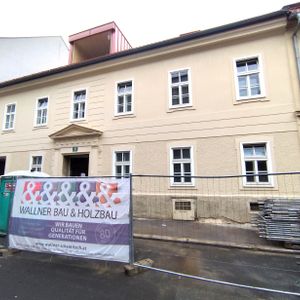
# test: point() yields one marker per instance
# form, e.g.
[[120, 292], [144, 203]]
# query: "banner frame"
[[130, 218]]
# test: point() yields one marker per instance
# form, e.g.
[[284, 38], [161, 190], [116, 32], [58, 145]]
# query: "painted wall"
[[24, 56]]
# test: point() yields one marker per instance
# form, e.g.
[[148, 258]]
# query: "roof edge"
[[165, 43]]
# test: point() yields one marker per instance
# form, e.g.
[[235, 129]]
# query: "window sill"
[[6, 131], [182, 187], [258, 186], [249, 100], [117, 117], [78, 121], [37, 127], [180, 108]]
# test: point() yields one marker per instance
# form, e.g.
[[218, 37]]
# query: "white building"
[[21, 56]]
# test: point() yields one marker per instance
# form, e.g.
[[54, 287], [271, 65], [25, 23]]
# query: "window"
[[79, 101], [42, 111], [183, 205], [36, 163], [256, 161], [180, 88], [248, 74], [9, 118], [122, 163], [254, 206], [181, 165], [124, 98]]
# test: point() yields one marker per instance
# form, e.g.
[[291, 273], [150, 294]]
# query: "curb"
[[210, 243], [216, 243]]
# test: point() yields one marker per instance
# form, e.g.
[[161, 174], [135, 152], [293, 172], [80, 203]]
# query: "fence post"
[[131, 248]]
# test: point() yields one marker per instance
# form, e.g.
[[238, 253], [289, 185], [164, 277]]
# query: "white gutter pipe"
[[296, 45]]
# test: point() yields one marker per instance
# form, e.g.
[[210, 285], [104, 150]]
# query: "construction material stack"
[[279, 220]]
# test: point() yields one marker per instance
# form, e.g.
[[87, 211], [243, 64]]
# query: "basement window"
[[254, 206]]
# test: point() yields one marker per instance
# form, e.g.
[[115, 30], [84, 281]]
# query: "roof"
[[99, 29], [170, 42]]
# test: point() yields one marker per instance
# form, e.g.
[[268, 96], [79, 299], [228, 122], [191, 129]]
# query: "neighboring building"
[[20, 56], [214, 102]]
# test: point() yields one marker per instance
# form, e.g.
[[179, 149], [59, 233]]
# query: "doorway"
[[76, 165], [2, 165]]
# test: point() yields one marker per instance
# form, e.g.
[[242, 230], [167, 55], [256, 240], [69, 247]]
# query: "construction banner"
[[86, 217]]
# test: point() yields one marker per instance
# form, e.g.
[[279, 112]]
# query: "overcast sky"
[[142, 22]]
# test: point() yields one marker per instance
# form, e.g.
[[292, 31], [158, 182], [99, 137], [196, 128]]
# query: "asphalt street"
[[30, 276]]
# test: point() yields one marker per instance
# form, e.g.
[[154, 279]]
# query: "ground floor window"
[[181, 165], [122, 161], [256, 163], [36, 163]]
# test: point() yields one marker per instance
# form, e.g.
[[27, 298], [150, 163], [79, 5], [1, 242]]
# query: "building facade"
[[21, 56], [215, 102]]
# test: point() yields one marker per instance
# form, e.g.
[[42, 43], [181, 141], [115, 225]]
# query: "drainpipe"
[[297, 56], [296, 45]]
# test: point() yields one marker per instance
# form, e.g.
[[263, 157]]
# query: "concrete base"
[[4, 252], [131, 270]]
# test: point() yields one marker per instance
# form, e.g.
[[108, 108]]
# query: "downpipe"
[[296, 45]]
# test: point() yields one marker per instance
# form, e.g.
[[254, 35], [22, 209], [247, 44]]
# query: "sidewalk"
[[223, 235]]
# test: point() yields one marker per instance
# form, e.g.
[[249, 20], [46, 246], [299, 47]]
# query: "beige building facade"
[[222, 101]]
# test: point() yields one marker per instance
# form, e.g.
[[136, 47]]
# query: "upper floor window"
[[124, 103], [9, 117], [42, 111], [248, 78], [122, 163], [256, 163], [180, 88], [182, 165], [36, 163], [79, 105]]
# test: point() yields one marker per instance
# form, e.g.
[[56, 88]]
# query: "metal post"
[[131, 247]]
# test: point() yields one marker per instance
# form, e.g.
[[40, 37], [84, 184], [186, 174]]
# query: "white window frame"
[[170, 85], [37, 109], [131, 112], [5, 114], [192, 183], [256, 183], [115, 161], [85, 107], [260, 76], [31, 161]]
